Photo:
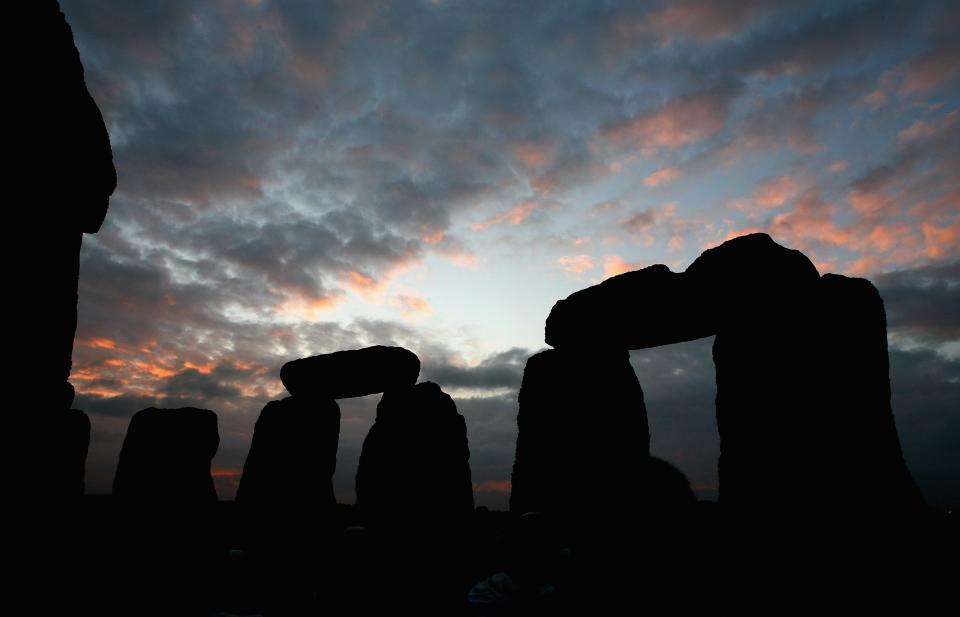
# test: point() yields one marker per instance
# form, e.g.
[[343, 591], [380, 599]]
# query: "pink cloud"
[[513, 216], [775, 192], [533, 155], [577, 263], [935, 68], [922, 130], [700, 20], [941, 241], [412, 304], [615, 264], [679, 122], [664, 175]]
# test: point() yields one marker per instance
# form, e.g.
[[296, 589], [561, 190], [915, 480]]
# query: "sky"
[[297, 178]]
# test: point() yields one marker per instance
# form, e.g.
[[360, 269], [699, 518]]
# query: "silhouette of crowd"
[[810, 457]]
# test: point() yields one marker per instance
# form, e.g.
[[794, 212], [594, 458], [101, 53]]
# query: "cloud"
[[664, 175], [769, 194], [937, 66], [412, 304], [921, 303], [576, 263], [614, 265], [682, 121]]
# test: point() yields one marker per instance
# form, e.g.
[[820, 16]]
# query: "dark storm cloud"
[[923, 303]]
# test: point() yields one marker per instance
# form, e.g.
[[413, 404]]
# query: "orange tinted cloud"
[[307, 309], [412, 305], [614, 265], [533, 155], [701, 20], [154, 369], [431, 236], [514, 216], [205, 368], [769, 194], [935, 68], [678, 123], [663, 175], [837, 166], [493, 486], [921, 129], [941, 241], [775, 192], [101, 343], [577, 263]]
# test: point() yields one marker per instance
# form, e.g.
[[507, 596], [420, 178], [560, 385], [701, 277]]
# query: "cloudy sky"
[[302, 177]]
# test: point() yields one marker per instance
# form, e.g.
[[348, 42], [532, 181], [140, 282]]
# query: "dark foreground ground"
[[103, 557]]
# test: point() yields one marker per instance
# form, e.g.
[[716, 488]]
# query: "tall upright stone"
[[58, 176], [166, 457], [764, 296], [61, 176], [292, 458], [415, 463], [583, 436], [859, 446]]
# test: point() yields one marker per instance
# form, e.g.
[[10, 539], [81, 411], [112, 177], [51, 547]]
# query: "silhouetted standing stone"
[[62, 175], [287, 501], [292, 458], [765, 357], [415, 464], [861, 451], [583, 437], [414, 492], [166, 457], [355, 372], [70, 442]]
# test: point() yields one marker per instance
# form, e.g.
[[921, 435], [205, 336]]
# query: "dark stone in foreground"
[[583, 437], [292, 457], [60, 150], [166, 457], [356, 372], [415, 463], [70, 434]]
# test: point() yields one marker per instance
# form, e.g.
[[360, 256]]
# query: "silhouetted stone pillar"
[[864, 467], [70, 441], [766, 359], [166, 457], [583, 437], [62, 176], [59, 176], [287, 502], [414, 491], [415, 463], [292, 459], [166, 534]]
